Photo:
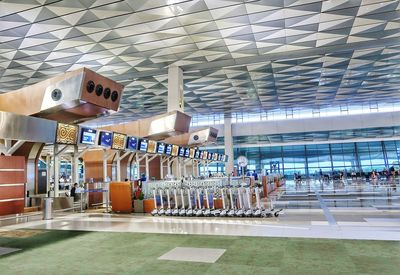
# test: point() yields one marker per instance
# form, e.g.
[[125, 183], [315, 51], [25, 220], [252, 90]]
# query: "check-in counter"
[[59, 203]]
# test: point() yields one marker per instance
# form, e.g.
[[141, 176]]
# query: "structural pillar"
[[147, 168], [75, 166], [56, 169], [118, 157], [48, 171], [105, 157], [175, 89], [228, 141]]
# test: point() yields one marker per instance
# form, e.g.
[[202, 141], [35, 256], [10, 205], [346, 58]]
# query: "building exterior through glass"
[[308, 160]]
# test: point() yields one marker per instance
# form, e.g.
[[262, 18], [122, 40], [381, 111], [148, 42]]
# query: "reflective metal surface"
[[168, 124], [157, 127], [69, 92], [66, 98], [195, 138], [19, 127]]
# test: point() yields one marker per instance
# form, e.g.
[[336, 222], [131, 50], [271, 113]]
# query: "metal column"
[[75, 165], [118, 166], [48, 171], [56, 169]]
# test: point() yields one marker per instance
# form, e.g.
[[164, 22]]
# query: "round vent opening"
[[196, 137], [107, 93], [99, 90], [114, 96], [56, 94], [90, 86]]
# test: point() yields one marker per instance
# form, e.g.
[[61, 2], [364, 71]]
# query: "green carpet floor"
[[72, 252]]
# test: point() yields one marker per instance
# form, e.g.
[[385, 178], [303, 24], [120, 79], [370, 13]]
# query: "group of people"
[[387, 174], [253, 174]]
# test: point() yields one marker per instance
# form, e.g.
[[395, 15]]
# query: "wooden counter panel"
[[12, 192], [7, 177], [14, 162], [11, 207]]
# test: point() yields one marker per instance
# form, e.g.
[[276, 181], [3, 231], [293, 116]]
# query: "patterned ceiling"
[[237, 55]]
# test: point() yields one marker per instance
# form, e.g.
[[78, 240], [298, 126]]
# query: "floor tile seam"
[[328, 215]]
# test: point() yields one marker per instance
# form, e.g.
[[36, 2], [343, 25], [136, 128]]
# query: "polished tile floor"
[[193, 254], [373, 214], [308, 223], [383, 194]]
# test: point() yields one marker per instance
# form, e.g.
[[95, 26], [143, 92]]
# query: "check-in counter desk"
[[59, 203], [270, 183], [95, 198]]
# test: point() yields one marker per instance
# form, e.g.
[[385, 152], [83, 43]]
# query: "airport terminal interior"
[[199, 136]]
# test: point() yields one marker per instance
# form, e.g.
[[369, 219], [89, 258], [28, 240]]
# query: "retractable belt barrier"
[[81, 191]]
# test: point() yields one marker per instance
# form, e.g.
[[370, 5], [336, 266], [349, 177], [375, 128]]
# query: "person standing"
[[255, 175], [73, 191]]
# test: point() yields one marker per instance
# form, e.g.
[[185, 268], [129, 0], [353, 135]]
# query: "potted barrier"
[[138, 204]]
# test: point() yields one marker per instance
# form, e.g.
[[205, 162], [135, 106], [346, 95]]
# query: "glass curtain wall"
[[311, 159]]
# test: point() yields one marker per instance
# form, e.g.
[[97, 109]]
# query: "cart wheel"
[[276, 214]]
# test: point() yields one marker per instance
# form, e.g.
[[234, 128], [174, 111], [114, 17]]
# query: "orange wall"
[[94, 166], [154, 168]]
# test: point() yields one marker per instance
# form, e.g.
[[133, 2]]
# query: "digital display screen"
[[168, 149], [105, 139], [143, 144], [226, 158], [152, 147], [191, 153], [161, 148], [66, 133], [201, 154], [118, 142], [197, 154], [132, 143], [187, 152], [205, 155], [220, 157], [175, 149], [181, 151], [215, 156], [210, 156], [88, 136]]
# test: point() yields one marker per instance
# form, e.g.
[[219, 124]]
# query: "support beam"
[[48, 172], [130, 161], [105, 179], [61, 151], [118, 158], [147, 168], [8, 144], [161, 167], [75, 165], [15, 147], [175, 89], [81, 153], [125, 155], [169, 166], [138, 165], [56, 169], [228, 141], [105, 157]]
